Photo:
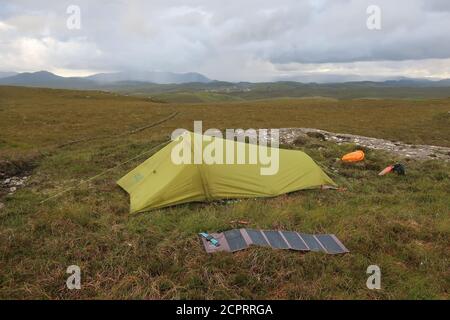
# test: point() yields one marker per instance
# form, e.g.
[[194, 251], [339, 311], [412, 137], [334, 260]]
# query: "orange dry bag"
[[353, 156]]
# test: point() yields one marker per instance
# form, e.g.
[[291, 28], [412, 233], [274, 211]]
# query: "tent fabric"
[[159, 182]]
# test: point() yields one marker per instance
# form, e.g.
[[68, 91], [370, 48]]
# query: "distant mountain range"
[[410, 82], [149, 83], [7, 74], [48, 79], [150, 76]]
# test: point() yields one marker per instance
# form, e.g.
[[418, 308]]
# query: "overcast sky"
[[244, 40]]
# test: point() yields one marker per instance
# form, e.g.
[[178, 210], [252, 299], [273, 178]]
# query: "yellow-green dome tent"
[[160, 182]]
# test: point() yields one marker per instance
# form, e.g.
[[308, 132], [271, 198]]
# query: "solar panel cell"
[[235, 240], [276, 240], [330, 244], [294, 240], [257, 237], [311, 242]]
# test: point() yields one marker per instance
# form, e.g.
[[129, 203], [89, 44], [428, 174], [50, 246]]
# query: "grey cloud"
[[235, 40], [437, 5]]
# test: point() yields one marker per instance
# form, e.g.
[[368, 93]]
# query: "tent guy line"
[[151, 125], [104, 172]]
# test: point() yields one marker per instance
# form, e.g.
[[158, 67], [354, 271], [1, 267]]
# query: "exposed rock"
[[420, 152], [316, 135], [294, 136], [11, 184], [13, 174], [300, 141]]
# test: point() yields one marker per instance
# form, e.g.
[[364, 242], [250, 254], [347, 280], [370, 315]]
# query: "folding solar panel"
[[238, 239]]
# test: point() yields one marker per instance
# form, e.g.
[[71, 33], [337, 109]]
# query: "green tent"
[[160, 182]]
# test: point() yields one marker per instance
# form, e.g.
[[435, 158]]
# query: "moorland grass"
[[401, 223]]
